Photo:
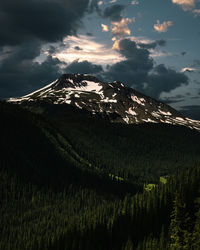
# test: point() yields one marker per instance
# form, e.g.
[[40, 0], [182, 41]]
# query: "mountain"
[[112, 100], [72, 180]]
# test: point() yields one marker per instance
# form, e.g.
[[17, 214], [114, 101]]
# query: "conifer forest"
[[73, 181]]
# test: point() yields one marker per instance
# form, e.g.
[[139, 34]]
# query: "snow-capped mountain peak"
[[113, 100]]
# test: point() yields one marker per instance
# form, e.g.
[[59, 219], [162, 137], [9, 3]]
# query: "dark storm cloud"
[[130, 50], [138, 71], [19, 73], [113, 12], [191, 111], [46, 20], [164, 79], [28, 76], [152, 45], [27, 25], [83, 67], [135, 68]]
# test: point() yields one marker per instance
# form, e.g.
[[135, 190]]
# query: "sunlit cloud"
[[185, 4], [116, 45], [162, 27], [188, 69], [91, 51], [196, 12], [120, 29], [105, 27], [189, 5]]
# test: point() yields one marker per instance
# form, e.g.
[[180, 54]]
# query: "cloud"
[[20, 74], [133, 66], [158, 53], [119, 25], [120, 29], [28, 28], [188, 69], [162, 27], [105, 28], [138, 70], [47, 20], [134, 69], [145, 43], [185, 4], [114, 12], [91, 51], [152, 45], [164, 79], [83, 67], [196, 12], [130, 50], [39, 41], [189, 5]]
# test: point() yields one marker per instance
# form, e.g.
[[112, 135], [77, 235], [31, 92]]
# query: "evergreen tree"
[[196, 231], [175, 230]]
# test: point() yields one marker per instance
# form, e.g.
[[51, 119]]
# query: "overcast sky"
[[150, 45]]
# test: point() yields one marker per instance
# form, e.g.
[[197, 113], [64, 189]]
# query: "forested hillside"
[[137, 153], [72, 181]]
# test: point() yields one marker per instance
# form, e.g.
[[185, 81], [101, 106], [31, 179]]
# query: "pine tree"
[[175, 231], [196, 231], [162, 239], [187, 234]]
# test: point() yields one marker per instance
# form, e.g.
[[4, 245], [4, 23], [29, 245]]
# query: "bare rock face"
[[112, 100]]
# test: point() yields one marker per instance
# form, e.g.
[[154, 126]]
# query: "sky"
[[150, 45]]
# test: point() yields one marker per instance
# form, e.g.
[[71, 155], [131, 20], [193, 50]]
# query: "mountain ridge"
[[112, 100]]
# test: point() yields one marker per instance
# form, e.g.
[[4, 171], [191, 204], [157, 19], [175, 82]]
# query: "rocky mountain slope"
[[112, 100]]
